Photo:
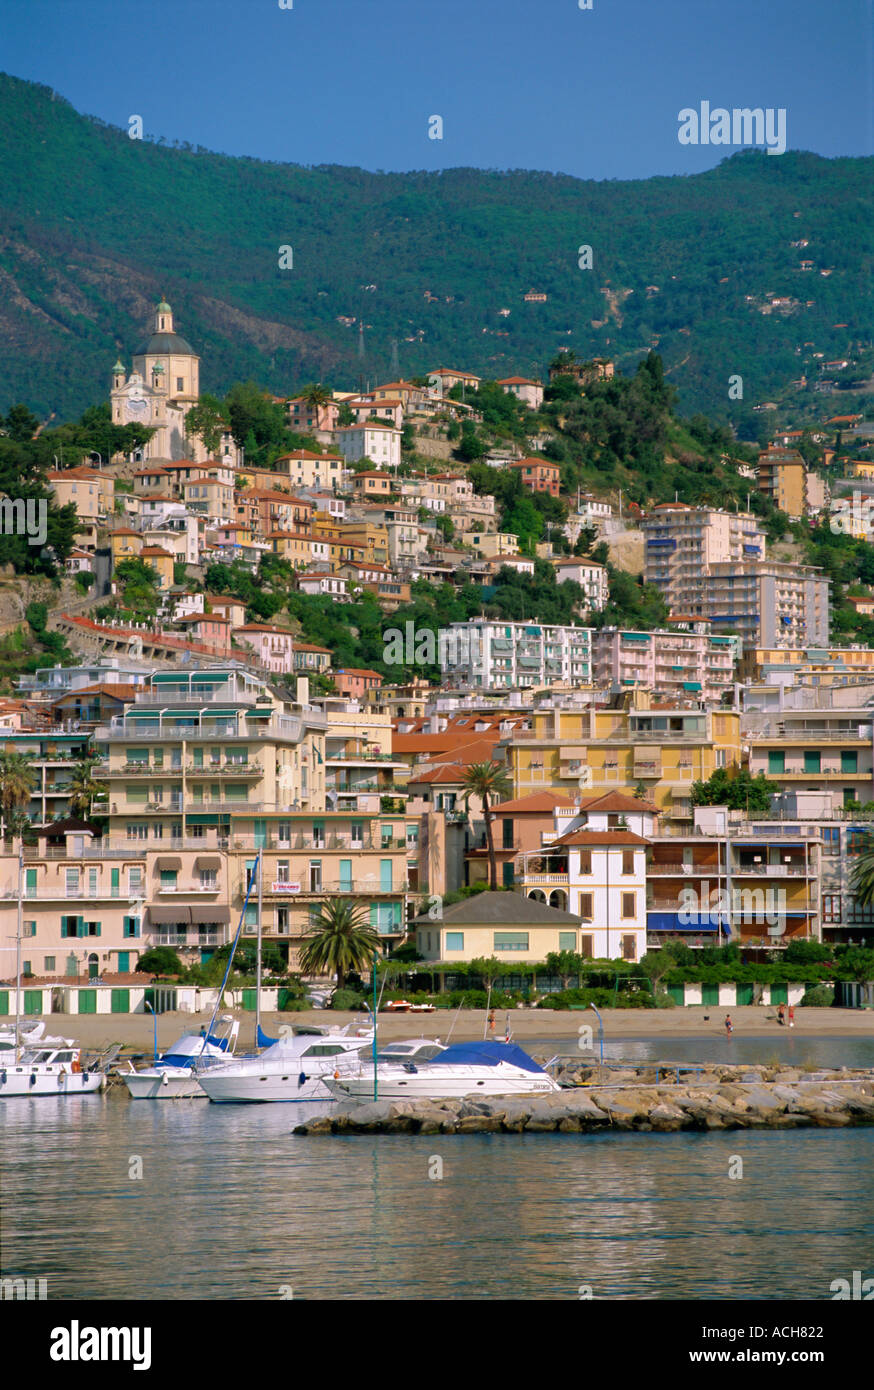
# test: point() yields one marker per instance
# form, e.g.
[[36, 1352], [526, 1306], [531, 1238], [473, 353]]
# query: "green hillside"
[[96, 226]]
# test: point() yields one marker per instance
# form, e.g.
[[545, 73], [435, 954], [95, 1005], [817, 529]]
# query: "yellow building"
[[757, 662], [162, 561], [657, 751], [369, 539], [125, 544], [491, 544], [91, 493]]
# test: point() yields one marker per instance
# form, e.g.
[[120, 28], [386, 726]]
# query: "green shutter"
[[30, 883], [710, 994], [80, 926], [87, 1001], [119, 1001], [33, 1001], [113, 882], [4, 1001], [123, 962]]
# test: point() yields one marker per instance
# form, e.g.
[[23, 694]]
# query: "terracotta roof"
[[446, 772], [121, 691], [499, 909]]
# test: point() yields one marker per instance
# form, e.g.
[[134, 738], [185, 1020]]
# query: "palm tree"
[[84, 787], [862, 875], [17, 783], [487, 780], [342, 940], [316, 394]]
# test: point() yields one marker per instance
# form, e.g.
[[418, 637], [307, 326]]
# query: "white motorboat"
[[173, 1076], [48, 1071], [463, 1069], [30, 1034], [291, 1070]]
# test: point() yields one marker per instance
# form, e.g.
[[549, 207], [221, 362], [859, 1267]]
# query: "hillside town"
[[528, 788]]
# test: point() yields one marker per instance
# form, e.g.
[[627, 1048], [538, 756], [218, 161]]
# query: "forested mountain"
[[95, 226]]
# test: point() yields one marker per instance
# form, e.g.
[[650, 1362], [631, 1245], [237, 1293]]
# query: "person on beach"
[[492, 1022], [781, 1015], [728, 1025]]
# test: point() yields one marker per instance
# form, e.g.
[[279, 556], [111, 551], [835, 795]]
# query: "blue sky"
[[535, 84]]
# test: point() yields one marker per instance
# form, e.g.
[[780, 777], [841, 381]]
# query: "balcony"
[[225, 769], [303, 888], [185, 889], [546, 880]]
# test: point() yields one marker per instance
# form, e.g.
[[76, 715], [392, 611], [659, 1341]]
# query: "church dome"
[[164, 343]]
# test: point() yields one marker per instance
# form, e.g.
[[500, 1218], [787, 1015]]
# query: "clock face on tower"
[[136, 407]]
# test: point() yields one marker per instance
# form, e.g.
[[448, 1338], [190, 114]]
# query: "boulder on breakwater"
[[778, 1098]]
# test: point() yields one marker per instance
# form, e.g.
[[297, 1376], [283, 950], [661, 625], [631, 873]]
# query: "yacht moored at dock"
[[462, 1069], [173, 1075]]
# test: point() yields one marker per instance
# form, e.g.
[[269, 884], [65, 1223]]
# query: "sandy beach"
[[137, 1030]]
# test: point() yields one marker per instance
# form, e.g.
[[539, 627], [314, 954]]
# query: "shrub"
[[818, 996], [347, 999], [663, 1000], [161, 960]]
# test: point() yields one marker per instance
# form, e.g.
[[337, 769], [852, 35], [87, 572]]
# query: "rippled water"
[[232, 1205]]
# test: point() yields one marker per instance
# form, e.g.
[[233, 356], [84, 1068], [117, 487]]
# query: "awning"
[[208, 861], [168, 861], [201, 915], [163, 916]]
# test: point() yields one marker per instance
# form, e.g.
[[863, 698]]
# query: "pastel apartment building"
[[525, 389], [671, 664], [490, 655], [657, 751]]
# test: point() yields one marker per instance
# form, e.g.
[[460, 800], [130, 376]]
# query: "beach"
[[136, 1031]]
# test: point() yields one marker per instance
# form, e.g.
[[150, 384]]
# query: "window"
[[849, 761], [627, 862], [282, 921], [455, 941], [812, 761], [629, 951], [831, 839], [72, 881], [28, 929], [131, 926], [585, 861], [831, 907], [586, 908], [315, 875], [168, 878], [507, 832], [776, 760], [137, 830], [92, 883], [629, 904], [134, 881], [567, 941], [209, 879], [511, 941], [48, 963]]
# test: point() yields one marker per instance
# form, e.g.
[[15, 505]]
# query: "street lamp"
[[600, 1031]]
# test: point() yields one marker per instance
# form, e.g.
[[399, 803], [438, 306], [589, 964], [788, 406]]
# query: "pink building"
[[685, 664], [211, 630], [355, 680], [273, 646]]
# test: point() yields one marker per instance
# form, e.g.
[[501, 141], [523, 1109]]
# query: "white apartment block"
[[768, 604], [591, 577], [379, 443], [491, 655]]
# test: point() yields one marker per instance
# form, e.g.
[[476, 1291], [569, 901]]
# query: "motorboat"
[[29, 1034], [291, 1069], [462, 1069], [49, 1071], [172, 1076]]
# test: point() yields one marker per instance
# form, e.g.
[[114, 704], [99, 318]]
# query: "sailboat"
[[44, 1066], [289, 1068]]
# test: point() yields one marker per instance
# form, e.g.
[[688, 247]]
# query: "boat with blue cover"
[[462, 1069]]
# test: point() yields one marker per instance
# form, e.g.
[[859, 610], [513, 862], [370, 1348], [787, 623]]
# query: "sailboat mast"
[[18, 949], [258, 958]]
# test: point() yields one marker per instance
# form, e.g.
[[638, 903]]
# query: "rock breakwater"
[[720, 1098]]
